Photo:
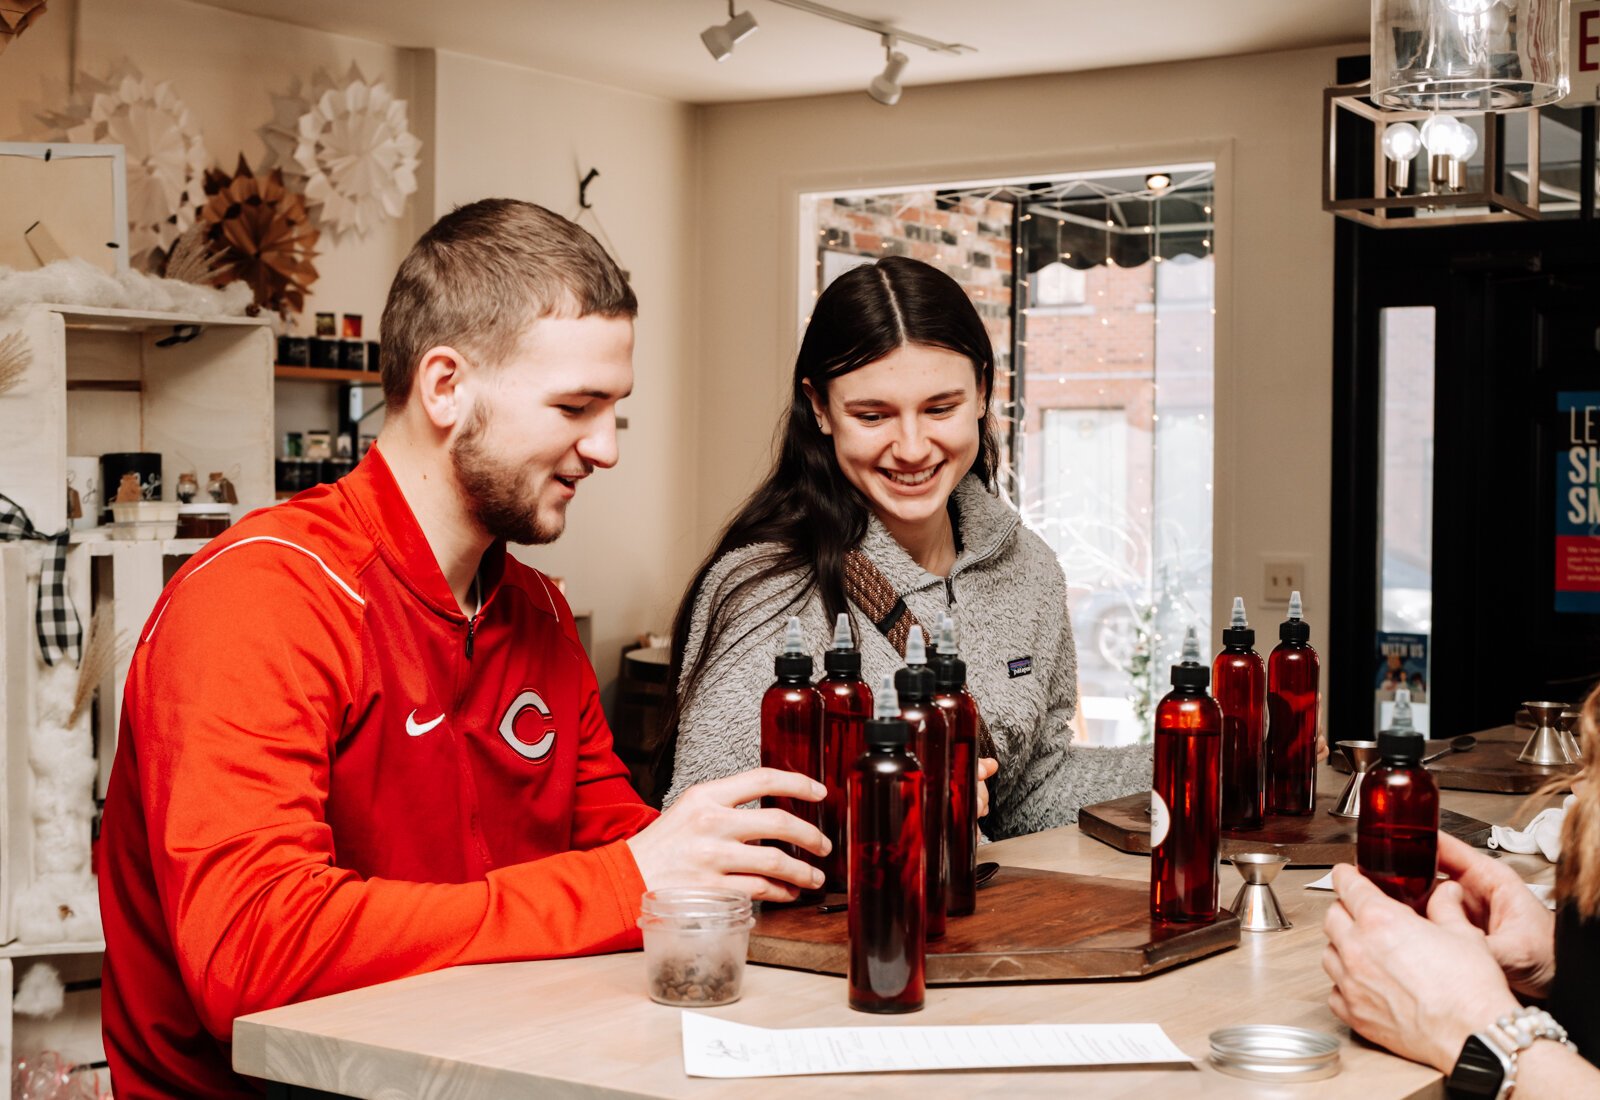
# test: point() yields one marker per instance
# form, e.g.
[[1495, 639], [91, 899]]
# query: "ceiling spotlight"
[[885, 87], [721, 38], [1158, 181]]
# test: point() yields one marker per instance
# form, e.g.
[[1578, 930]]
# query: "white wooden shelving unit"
[[197, 389]]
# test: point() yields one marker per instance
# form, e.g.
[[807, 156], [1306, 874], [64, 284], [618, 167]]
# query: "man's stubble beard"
[[497, 493]]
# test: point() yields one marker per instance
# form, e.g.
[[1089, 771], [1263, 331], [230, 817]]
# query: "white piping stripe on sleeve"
[[554, 607], [338, 580]]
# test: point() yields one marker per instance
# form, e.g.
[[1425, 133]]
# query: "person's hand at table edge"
[[1416, 986], [705, 839], [987, 766]]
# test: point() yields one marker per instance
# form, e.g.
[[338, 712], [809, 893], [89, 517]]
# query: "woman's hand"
[[987, 766], [1520, 931], [1418, 987]]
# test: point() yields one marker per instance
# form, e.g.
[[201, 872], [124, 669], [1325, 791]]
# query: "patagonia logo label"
[[1019, 666]]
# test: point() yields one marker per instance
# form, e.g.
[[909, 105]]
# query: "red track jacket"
[[327, 777]]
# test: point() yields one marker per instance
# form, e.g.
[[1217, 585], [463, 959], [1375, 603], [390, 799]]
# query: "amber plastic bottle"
[[846, 706], [1397, 836], [1239, 684], [791, 735], [930, 742], [888, 905], [1185, 798], [961, 714], [1294, 680]]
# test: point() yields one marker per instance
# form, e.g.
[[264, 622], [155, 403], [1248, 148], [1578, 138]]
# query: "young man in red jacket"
[[359, 741]]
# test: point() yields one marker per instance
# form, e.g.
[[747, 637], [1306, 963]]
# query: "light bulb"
[[1441, 135], [1468, 145], [1402, 141], [1469, 7]]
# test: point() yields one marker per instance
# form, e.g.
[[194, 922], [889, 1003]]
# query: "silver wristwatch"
[[1487, 1068]]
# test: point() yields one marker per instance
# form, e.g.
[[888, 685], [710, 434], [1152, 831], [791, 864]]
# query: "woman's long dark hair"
[[806, 507]]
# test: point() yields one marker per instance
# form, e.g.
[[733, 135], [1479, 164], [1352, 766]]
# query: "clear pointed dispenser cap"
[[1189, 672], [949, 670], [915, 682], [842, 660], [842, 638], [916, 648], [1294, 628], [1238, 633], [886, 727], [1401, 719], [794, 663], [886, 700]]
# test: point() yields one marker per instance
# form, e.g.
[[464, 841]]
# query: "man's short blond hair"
[[482, 275]]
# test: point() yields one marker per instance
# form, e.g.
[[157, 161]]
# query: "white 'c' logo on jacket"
[[528, 700]]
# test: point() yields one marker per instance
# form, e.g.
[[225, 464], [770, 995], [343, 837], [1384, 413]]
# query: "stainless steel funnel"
[[1546, 746], [1362, 755], [1255, 905], [1569, 733]]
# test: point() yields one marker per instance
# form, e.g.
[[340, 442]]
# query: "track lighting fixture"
[[885, 87], [721, 38]]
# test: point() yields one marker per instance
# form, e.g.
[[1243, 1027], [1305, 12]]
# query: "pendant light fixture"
[[1468, 55]]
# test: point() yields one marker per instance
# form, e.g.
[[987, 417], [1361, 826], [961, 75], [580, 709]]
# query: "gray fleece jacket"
[[1008, 596]]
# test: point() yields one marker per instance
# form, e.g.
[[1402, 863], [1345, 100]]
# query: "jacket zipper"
[[950, 592], [472, 627]]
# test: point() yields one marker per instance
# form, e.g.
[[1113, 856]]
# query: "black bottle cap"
[[1192, 675], [887, 732], [914, 683], [1240, 637], [1294, 630], [1401, 746], [949, 673], [793, 668], [845, 661]]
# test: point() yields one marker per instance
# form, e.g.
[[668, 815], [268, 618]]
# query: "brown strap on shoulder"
[[871, 591]]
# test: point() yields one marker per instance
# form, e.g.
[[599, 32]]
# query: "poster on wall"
[[1402, 662], [1578, 503]]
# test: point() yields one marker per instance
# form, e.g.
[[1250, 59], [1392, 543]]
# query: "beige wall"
[[1256, 117], [502, 130]]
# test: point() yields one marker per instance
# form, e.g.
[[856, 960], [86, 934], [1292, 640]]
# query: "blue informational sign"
[[1577, 582]]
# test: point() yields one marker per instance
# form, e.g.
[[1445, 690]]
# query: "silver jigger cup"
[[1546, 746], [1362, 755], [1255, 905], [1569, 733]]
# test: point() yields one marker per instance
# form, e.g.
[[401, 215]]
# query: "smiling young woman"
[[887, 466]]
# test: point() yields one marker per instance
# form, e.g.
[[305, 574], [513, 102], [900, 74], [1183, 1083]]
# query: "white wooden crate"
[[100, 380]]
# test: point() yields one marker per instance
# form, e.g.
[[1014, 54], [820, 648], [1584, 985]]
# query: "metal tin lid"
[[1268, 1052]]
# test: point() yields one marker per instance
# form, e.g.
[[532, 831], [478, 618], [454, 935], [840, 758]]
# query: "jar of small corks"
[[694, 945]]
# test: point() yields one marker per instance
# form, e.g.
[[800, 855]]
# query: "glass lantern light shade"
[[1468, 55]]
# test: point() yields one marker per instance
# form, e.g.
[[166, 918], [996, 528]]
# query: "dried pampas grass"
[[194, 259], [99, 657], [15, 359]]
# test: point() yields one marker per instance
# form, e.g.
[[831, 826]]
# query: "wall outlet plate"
[[1281, 576]]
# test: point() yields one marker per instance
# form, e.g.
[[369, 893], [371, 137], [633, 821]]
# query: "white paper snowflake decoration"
[[166, 156], [349, 146]]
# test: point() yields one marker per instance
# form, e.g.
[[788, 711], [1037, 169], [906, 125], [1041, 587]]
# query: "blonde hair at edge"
[[1578, 873]]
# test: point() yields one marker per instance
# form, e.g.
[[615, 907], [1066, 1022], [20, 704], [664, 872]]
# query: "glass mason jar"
[[695, 942]]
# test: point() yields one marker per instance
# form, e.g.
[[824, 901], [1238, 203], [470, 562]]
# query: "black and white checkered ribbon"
[[60, 632]]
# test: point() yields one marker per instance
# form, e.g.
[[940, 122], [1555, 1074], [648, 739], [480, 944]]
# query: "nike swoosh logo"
[[417, 729]]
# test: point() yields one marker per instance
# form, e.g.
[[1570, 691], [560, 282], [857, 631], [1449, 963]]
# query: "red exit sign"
[[1583, 59]]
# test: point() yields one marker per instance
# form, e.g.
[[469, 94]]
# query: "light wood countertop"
[[585, 1027]]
